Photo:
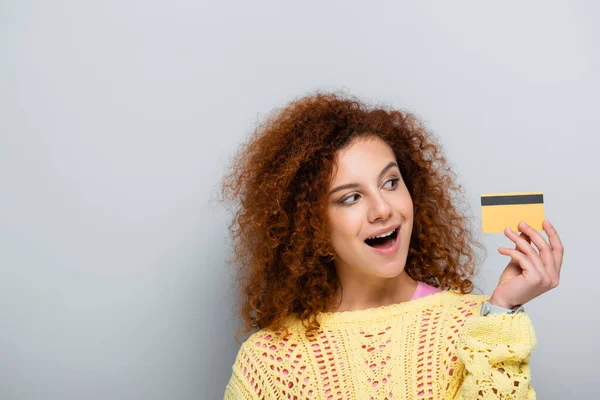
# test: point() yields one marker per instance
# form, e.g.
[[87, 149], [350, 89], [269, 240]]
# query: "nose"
[[379, 209]]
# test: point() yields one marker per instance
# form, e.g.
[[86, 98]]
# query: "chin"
[[392, 270]]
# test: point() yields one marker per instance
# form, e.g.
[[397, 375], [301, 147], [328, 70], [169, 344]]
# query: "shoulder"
[[267, 344], [457, 297], [455, 302], [267, 359]]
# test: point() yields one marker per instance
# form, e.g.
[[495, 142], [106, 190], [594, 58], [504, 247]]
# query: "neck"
[[370, 292]]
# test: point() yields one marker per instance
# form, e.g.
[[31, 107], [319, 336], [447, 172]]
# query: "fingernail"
[[522, 224]]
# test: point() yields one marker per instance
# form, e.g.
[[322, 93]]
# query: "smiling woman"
[[370, 223], [355, 266]]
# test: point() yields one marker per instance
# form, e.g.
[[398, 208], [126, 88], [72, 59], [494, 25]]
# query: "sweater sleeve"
[[247, 380], [495, 350], [236, 390]]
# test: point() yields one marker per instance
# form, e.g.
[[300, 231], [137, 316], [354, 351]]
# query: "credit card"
[[499, 210]]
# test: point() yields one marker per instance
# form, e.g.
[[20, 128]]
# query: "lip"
[[390, 250], [383, 230]]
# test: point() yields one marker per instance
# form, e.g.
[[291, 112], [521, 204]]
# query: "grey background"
[[118, 118]]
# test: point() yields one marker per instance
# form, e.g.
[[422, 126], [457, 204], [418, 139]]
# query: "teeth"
[[384, 235]]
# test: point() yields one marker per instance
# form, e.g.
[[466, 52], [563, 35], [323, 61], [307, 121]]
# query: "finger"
[[525, 247], [524, 236], [548, 274], [532, 273], [546, 255], [555, 242], [525, 264]]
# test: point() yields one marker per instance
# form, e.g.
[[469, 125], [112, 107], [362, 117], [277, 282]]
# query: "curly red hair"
[[279, 182]]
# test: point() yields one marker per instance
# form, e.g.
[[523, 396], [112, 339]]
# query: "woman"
[[356, 268]]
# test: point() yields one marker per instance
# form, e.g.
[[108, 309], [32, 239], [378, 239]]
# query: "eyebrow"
[[356, 185]]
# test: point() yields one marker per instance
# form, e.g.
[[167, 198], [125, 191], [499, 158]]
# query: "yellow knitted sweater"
[[434, 347]]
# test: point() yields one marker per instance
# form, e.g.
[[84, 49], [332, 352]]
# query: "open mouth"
[[383, 242]]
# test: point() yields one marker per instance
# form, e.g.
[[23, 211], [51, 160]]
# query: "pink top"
[[423, 290]]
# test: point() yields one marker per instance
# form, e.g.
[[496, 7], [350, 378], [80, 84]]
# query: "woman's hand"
[[530, 273]]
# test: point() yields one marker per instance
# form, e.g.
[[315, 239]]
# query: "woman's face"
[[368, 198]]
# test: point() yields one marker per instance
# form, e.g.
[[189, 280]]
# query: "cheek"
[[404, 205], [345, 226]]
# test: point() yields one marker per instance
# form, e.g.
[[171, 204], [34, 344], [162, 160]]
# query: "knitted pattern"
[[435, 347]]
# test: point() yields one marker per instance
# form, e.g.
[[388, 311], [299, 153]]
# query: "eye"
[[394, 184], [348, 199]]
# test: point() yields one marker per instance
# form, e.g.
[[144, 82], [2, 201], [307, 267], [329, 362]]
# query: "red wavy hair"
[[279, 182]]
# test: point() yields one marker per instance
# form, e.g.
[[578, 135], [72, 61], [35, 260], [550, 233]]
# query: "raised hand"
[[531, 272]]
